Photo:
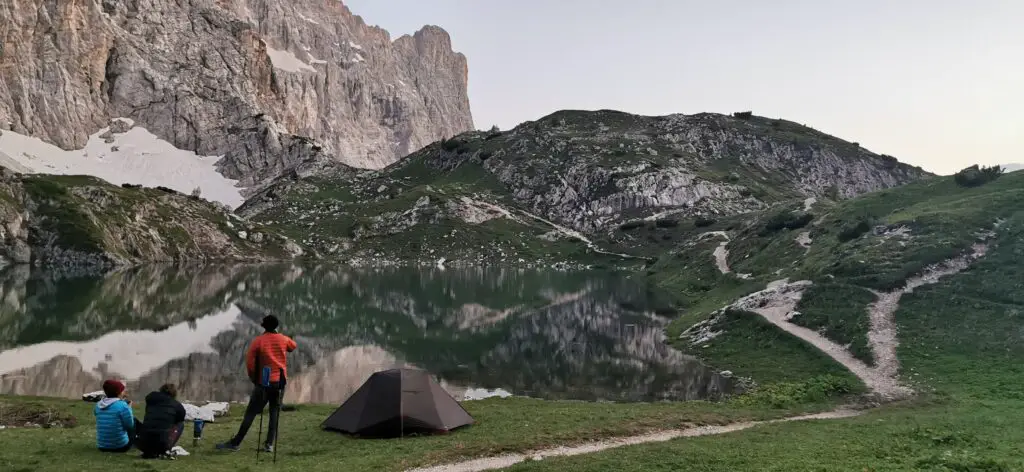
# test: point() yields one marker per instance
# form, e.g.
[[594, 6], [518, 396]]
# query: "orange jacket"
[[269, 350]]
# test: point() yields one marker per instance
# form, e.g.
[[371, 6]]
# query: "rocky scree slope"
[[265, 83], [80, 221], [570, 177]]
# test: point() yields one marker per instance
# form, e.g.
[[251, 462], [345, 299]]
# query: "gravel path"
[[882, 336], [508, 460], [721, 254], [780, 298]]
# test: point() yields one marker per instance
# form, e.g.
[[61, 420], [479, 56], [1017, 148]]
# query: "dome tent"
[[395, 403]]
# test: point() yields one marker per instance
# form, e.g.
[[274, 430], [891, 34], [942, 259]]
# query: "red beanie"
[[113, 388]]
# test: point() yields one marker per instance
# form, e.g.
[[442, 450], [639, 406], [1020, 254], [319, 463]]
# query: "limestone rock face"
[[267, 84]]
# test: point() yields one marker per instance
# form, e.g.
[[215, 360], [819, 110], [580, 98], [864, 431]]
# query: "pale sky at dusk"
[[937, 83]]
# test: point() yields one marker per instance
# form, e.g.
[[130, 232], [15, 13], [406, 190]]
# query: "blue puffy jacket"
[[115, 423]]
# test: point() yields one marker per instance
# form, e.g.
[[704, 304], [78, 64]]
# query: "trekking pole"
[[258, 436], [280, 404], [264, 383]]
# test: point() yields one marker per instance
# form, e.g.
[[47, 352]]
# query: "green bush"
[[704, 222], [975, 176], [786, 220], [631, 225], [450, 144], [666, 223], [854, 231]]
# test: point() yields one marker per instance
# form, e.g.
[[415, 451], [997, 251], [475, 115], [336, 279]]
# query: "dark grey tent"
[[395, 403]]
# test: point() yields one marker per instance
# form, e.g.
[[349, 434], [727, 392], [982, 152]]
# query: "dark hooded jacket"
[[163, 412]]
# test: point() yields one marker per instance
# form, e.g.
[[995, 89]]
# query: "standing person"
[[163, 424], [116, 425], [269, 349]]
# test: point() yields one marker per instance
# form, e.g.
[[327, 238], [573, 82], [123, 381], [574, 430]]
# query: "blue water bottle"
[[265, 379], [197, 431]]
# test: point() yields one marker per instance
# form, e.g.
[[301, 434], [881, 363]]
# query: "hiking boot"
[[226, 446], [268, 448]]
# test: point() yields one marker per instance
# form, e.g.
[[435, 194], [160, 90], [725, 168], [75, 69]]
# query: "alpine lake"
[[482, 332]]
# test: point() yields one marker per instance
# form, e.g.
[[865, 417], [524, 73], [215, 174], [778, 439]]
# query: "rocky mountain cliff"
[[78, 222], [556, 185], [264, 83]]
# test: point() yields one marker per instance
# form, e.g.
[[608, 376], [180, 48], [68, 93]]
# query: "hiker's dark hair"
[[169, 389], [270, 323]]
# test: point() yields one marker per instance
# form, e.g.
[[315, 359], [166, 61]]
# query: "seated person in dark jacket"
[[163, 424]]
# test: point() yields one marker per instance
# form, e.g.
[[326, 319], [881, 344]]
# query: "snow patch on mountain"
[[134, 157], [287, 61]]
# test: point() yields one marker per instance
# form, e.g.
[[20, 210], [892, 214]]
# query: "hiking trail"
[[555, 226], [777, 302], [721, 254], [508, 460], [882, 337]]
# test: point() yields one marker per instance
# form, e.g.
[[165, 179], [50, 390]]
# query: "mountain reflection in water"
[[482, 332]]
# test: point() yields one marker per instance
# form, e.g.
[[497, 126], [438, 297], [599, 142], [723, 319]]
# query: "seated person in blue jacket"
[[116, 425], [163, 424]]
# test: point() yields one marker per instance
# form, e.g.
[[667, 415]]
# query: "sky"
[[938, 83]]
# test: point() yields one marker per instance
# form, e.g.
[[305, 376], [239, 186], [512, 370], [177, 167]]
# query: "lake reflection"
[[555, 335]]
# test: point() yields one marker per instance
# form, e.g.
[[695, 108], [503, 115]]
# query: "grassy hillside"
[[875, 242]]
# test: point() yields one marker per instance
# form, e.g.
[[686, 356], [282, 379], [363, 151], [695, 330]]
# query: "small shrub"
[[631, 225], [854, 231], [704, 222], [666, 223], [126, 185], [975, 176], [450, 144], [493, 133], [743, 115], [786, 220], [197, 192], [166, 190]]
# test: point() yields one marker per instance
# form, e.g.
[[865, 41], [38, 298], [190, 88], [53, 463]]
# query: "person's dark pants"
[[261, 396], [131, 440], [156, 443]]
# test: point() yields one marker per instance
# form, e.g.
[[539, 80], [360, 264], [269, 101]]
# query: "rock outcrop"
[[572, 175], [80, 222], [267, 84]]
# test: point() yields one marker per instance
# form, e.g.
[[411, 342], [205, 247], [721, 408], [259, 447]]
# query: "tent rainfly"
[[398, 402]]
